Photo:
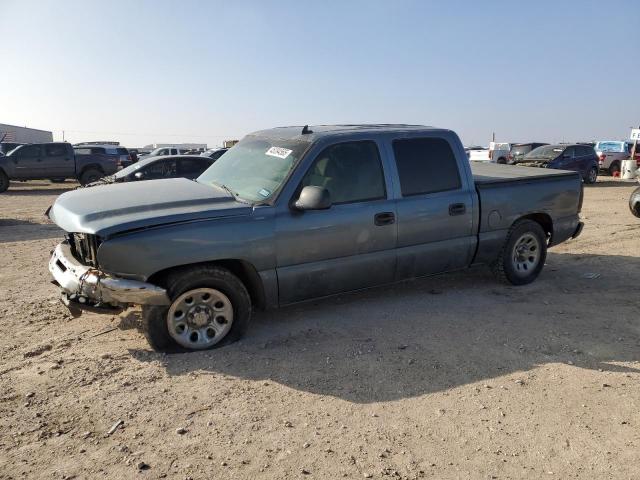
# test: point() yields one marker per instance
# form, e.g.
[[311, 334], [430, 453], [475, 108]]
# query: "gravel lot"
[[454, 376]]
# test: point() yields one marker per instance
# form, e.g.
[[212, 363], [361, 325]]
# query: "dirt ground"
[[454, 376]]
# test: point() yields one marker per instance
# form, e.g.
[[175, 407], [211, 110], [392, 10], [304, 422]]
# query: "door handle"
[[384, 218], [457, 209]]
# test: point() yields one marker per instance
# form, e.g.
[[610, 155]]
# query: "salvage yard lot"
[[454, 376]]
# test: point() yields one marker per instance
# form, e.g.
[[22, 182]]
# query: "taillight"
[[602, 157]]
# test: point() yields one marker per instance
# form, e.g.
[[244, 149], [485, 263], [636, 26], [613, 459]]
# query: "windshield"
[[256, 167], [548, 151], [521, 149], [610, 146]]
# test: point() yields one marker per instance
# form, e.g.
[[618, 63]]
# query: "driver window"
[[351, 172], [568, 153]]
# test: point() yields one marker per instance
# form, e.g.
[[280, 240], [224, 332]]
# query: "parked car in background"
[[576, 157], [214, 153], [499, 152], [496, 153], [118, 153], [611, 153], [56, 161], [477, 153], [153, 168], [519, 150], [166, 151], [291, 214]]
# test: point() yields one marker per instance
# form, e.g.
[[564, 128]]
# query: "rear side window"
[[82, 151], [55, 150], [98, 150], [426, 165], [122, 151]]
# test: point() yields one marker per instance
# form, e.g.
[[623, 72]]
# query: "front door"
[[435, 212], [28, 162], [347, 247]]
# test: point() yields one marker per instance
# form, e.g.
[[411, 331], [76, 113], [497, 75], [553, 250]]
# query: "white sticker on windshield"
[[278, 152], [264, 192]]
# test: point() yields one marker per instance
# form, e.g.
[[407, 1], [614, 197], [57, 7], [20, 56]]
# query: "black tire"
[[4, 182], [505, 266], [154, 318], [502, 161], [592, 176], [613, 168], [90, 175], [634, 202]]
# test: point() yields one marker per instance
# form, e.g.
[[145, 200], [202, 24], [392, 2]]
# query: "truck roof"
[[319, 131]]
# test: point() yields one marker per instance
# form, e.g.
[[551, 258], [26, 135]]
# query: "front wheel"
[[592, 176], [523, 254], [90, 175], [210, 307]]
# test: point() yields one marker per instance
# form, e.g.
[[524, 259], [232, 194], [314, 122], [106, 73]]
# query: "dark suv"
[[577, 157]]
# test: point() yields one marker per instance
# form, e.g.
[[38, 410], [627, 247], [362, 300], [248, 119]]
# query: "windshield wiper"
[[231, 192]]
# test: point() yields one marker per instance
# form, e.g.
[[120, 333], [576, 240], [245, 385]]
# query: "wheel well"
[[242, 269], [543, 220], [87, 167]]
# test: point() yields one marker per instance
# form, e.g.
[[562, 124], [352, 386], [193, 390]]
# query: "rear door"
[[27, 162], [435, 208], [58, 160], [348, 246]]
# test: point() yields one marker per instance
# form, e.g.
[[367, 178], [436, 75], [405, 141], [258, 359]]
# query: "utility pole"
[[63, 135]]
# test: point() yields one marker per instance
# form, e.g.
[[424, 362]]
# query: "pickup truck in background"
[[496, 153], [56, 161], [611, 153], [291, 214]]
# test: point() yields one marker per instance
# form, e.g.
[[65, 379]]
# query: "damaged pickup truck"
[[290, 214]]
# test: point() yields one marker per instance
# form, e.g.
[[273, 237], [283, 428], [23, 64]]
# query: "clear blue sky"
[[200, 71]]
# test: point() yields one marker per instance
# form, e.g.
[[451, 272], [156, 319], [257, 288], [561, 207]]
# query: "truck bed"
[[491, 173]]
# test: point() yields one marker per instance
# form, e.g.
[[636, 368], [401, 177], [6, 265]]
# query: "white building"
[[15, 134]]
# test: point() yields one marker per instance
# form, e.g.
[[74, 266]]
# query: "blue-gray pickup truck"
[[295, 213]]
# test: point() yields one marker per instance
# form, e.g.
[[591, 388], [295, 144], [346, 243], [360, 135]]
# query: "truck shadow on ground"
[[437, 333], [611, 182], [23, 230]]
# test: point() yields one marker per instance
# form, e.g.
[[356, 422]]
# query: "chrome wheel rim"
[[200, 318], [593, 175], [526, 254]]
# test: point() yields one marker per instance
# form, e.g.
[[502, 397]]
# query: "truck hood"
[[109, 209]]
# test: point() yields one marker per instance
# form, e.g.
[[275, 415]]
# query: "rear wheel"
[[523, 254], [210, 307], [502, 161], [90, 175], [4, 182], [592, 176], [614, 168]]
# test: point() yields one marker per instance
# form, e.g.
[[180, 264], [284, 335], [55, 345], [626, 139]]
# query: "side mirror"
[[313, 198], [139, 175]]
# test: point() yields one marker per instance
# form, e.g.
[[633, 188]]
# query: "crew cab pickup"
[[290, 214], [56, 161]]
